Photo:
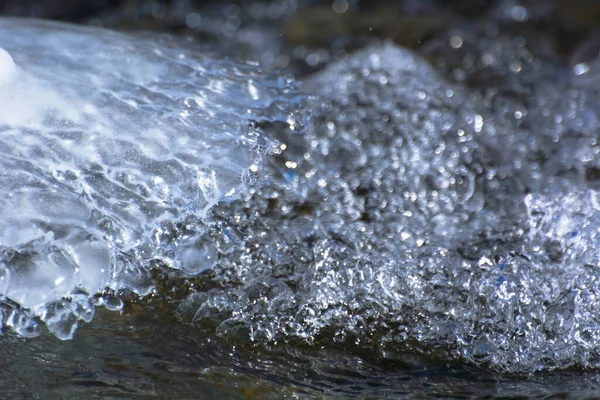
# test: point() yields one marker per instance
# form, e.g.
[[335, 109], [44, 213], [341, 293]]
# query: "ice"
[[447, 208], [105, 138]]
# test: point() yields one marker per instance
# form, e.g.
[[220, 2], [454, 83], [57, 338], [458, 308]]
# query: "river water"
[[176, 223]]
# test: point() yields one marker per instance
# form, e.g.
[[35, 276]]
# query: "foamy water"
[[424, 217]]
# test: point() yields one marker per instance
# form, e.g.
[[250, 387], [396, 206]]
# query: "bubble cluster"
[[419, 215]]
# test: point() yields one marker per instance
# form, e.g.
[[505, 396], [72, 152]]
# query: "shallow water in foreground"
[[123, 357], [411, 230], [126, 357]]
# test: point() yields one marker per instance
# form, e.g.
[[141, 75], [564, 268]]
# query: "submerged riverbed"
[[386, 223]]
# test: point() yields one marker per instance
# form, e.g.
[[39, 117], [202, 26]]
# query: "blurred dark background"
[[303, 35]]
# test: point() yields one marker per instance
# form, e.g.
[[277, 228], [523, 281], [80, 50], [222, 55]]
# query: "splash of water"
[[423, 216]]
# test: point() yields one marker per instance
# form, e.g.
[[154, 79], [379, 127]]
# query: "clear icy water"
[[444, 210]]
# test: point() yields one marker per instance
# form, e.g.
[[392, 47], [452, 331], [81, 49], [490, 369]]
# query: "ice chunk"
[[104, 138]]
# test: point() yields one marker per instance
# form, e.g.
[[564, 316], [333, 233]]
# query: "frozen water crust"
[[425, 217], [414, 216], [107, 141]]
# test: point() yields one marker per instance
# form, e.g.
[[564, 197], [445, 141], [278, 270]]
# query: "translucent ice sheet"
[[107, 139]]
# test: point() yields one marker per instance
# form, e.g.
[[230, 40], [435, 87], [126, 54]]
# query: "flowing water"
[[392, 225]]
